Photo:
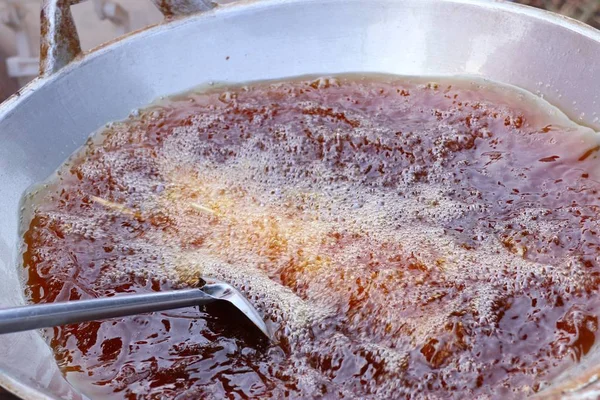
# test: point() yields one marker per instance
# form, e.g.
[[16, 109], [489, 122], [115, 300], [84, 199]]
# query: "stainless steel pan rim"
[[248, 5], [499, 9]]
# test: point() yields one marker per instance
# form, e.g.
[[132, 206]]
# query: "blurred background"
[[587, 11], [99, 21]]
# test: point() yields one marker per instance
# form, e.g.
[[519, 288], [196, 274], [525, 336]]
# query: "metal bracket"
[[59, 39], [171, 8], [24, 64]]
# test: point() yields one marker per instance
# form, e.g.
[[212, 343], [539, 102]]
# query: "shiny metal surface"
[[234, 297], [549, 55], [24, 318]]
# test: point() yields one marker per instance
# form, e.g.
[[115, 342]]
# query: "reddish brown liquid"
[[401, 239]]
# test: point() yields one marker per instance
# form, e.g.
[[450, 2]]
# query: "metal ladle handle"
[[39, 316]]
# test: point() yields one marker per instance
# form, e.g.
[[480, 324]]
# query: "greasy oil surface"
[[402, 239]]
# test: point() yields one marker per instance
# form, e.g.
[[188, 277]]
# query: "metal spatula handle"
[[63, 313]]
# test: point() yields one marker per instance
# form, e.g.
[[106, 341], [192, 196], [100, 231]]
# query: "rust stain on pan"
[[44, 45], [171, 8], [165, 8]]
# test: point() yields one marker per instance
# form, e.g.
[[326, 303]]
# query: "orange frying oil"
[[400, 237]]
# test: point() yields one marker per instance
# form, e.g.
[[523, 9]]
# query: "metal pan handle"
[[59, 42]]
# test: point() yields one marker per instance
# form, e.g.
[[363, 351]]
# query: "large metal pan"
[[76, 94]]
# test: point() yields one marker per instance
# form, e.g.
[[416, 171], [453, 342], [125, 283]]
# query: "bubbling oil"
[[402, 239]]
